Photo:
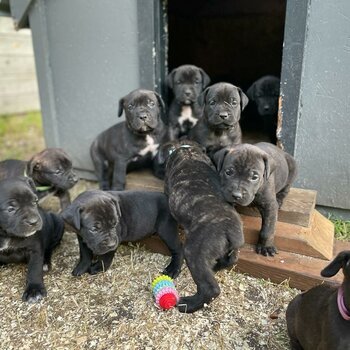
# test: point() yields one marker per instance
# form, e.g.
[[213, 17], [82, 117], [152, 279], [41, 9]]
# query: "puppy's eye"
[[197, 82], [233, 102], [151, 104], [229, 172], [130, 107], [212, 102], [11, 209], [178, 82], [255, 177], [58, 171]]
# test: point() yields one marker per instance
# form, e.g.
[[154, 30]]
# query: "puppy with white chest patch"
[[187, 82], [130, 144], [28, 234], [219, 127], [103, 220], [260, 175]]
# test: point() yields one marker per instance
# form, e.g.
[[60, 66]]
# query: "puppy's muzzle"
[[31, 225]]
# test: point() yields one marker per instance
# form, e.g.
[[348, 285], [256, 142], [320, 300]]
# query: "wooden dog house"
[[89, 54]]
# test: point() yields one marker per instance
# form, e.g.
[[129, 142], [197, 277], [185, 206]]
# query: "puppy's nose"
[[266, 108], [223, 115], [187, 93], [143, 116], [33, 221], [237, 195]]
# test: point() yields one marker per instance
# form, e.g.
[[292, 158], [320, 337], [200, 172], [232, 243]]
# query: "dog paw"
[[96, 268], [189, 305], [80, 270], [172, 271], [34, 293], [266, 251]]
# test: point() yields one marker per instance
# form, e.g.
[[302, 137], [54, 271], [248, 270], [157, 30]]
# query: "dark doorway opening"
[[234, 41]]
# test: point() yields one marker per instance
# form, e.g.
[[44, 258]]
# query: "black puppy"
[[51, 171], [219, 127], [212, 227], [320, 318], [132, 143], [27, 233], [105, 219], [261, 175], [187, 82], [263, 107]]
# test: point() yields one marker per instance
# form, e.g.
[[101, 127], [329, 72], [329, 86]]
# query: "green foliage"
[[21, 135], [342, 229]]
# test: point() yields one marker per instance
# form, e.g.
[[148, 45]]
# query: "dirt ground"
[[115, 309]]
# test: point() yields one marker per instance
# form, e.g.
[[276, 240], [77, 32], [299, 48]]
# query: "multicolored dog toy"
[[164, 292]]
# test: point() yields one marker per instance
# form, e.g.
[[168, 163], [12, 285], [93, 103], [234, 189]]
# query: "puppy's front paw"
[[172, 270], [266, 251], [34, 293], [96, 267], [189, 304], [80, 269]]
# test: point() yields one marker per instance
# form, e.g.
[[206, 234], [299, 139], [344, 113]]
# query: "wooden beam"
[[296, 209], [316, 241], [301, 271]]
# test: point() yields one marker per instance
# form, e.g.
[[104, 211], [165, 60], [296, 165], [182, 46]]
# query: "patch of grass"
[[21, 135], [342, 229]]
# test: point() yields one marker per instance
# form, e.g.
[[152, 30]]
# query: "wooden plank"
[[143, 180], [18, 104], [18, 86], [296, 209], [316, 241], [301, 271], [9, 66], [14, 44]]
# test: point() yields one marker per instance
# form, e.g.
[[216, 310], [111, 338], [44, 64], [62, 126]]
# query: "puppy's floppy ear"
[[203, 96], [251, 92], [342, 260], [71, 215], [160, 101], [219, 158], [121, 107], [30, 183], [170, 79], [205, 78], [244, 98], [115, 202], [33, 164], [270, 165]]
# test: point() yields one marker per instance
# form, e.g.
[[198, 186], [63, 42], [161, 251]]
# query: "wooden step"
[[316, 240], [301, 271], [143, 180], [297, 207]]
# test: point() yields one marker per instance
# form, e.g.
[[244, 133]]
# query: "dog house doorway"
[[233, 41]]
